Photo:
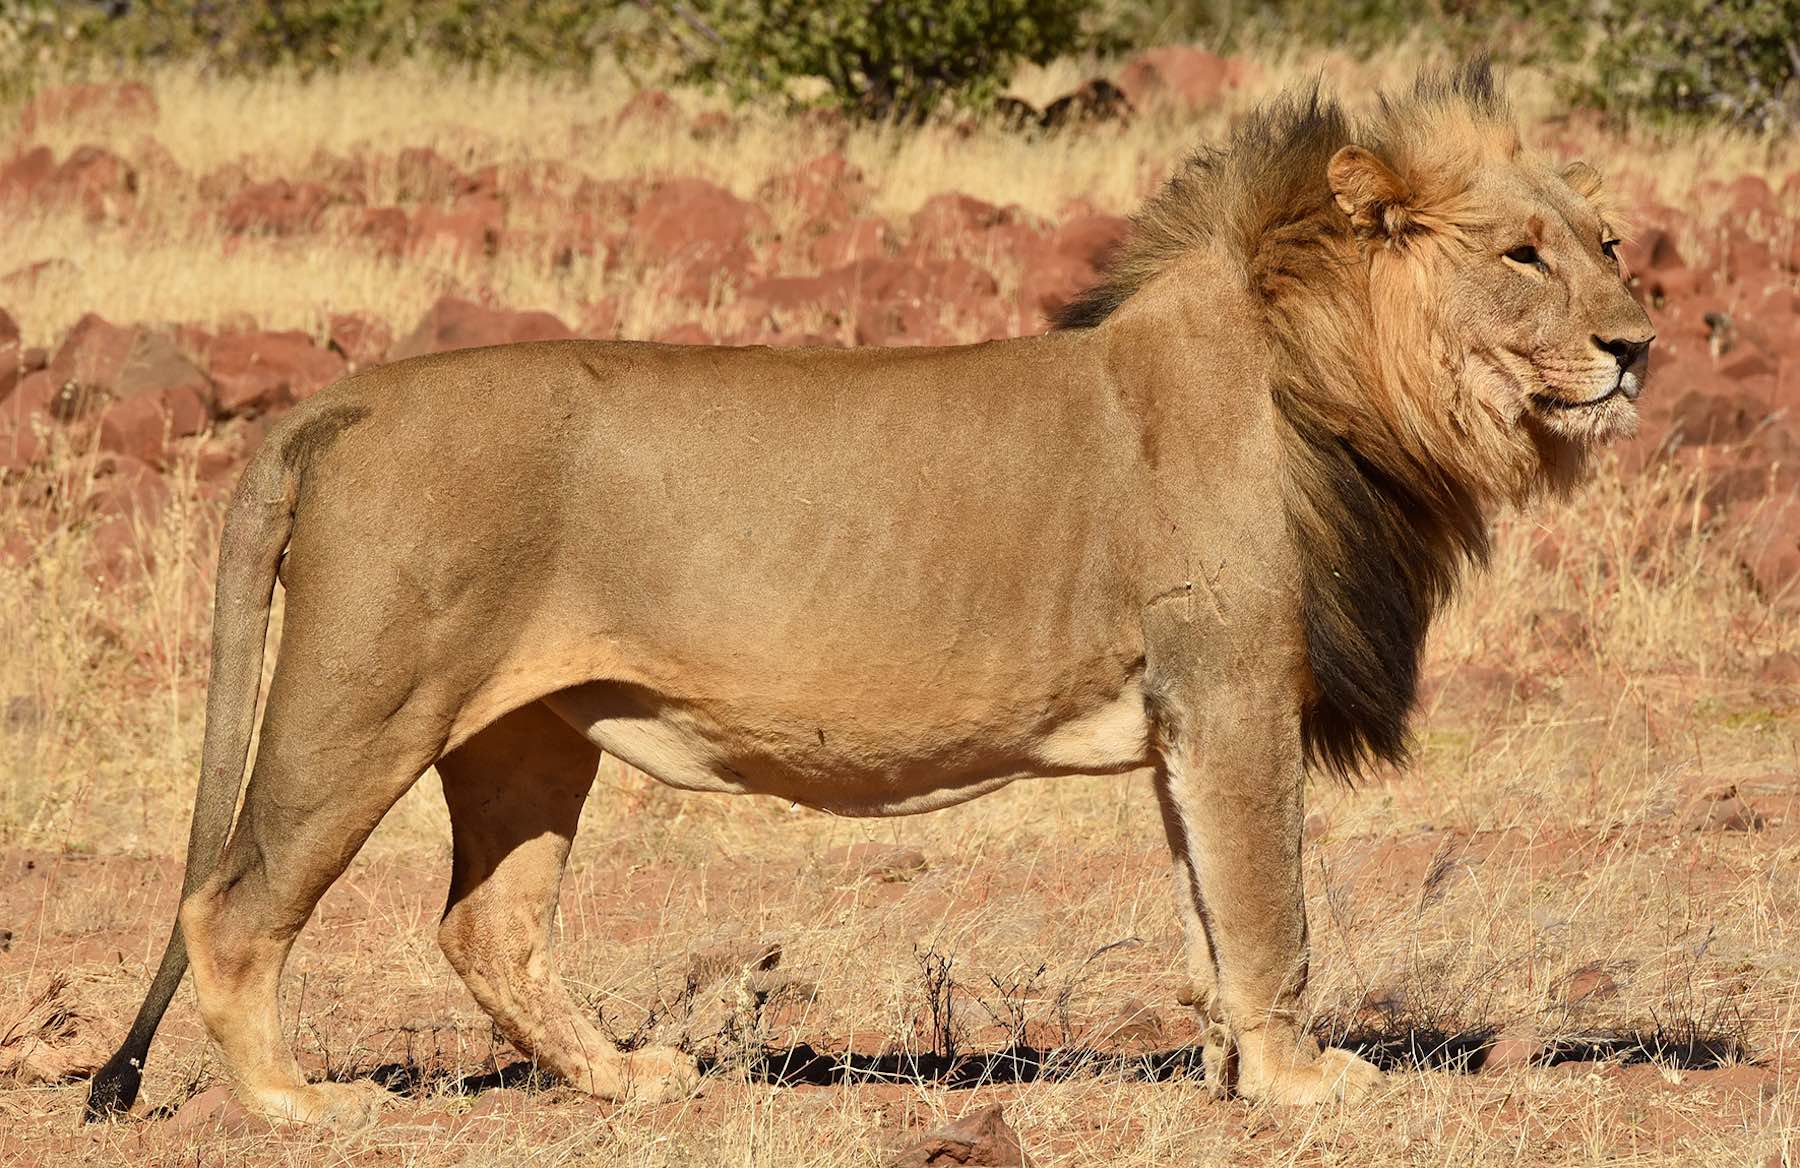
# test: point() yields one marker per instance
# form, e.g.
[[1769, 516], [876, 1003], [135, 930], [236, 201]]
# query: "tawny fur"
[[1203, 533]]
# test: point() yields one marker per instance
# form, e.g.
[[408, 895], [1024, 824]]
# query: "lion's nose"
[[1628, 353]]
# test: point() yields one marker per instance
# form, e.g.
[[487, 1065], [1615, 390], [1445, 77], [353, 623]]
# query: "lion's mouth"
[[1625, 385]]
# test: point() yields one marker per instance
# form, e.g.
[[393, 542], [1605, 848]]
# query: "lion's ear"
[[1377, 200], [1583, 179]]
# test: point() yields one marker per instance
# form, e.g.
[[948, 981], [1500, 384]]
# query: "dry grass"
[[170, 267], [1541, 831]]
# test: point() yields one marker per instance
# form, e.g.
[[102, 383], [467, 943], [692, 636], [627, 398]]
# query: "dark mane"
[[1385, 499]]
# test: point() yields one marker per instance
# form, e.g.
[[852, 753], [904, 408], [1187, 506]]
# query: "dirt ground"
[[1571, 930]]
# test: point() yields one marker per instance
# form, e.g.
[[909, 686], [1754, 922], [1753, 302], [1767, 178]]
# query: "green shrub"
[[1731, 60], [879, 58], [307, 35]]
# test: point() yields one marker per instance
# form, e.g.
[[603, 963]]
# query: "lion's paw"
[[1335, 1076], [342, 1106], [660, 1074]]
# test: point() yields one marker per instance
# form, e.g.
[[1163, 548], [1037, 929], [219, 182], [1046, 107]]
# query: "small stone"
[[1133, 1024], [1511, 1048], [729, 958], [216, 1111], [1590, 983], [1723, 809], [982, 1139]]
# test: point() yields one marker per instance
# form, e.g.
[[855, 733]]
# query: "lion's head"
[[1447, 328], [1501, 264], [1441, 297]]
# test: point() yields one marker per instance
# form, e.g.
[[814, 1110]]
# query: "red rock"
[[600, 319], [1184, 76], [1723, 810], [471, 227], [1590, 983], [1750, 194], [26, 278], [827, 187], [25, 420], [386, 229], [980, 1139], [24, 173], [904, 303], [130, 489], [1133, 1025], [713, 126], [106, 104], [1049, 283], [609, 200], [215, 1111], [86, 368], [700, 231], [360, 340], [259, 371], [156, 364], [11, 356], [422, 175], [1091, 238], [99, 182], [794, 293], [452, 323], [32, 359], [142, 426], [859, 239], [1510, 1049], [651, 106], [218, 186], [952, 214], [279, 208]]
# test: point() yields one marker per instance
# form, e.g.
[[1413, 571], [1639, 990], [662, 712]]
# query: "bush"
[[879, 58], [1735, 60], [304, 34]]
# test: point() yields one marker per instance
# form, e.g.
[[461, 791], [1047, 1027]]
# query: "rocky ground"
[[1570, 927]]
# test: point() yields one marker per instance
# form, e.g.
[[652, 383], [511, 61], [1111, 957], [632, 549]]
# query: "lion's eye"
[[1610, 248], [1524, 254]]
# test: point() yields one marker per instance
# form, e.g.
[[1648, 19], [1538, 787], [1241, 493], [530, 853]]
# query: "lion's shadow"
[[1390, 1048]]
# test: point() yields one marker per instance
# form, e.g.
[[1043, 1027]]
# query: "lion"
[[1200, 528]]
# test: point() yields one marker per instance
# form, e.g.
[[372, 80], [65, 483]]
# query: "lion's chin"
[[1610, 419]]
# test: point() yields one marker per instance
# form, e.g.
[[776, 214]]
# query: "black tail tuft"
[[115, 1085]]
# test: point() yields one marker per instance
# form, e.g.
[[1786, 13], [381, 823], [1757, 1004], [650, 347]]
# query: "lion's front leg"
[[1234, 820]]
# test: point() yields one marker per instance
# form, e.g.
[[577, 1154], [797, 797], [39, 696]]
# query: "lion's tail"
[[257, 527]]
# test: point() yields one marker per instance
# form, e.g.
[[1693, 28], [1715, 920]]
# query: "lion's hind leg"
[[515, 793], [321, 783]]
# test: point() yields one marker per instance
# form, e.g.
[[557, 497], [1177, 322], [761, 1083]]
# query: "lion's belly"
[[857, 766]]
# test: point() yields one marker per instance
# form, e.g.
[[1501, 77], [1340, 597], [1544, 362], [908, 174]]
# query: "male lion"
[[1201, 528]]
